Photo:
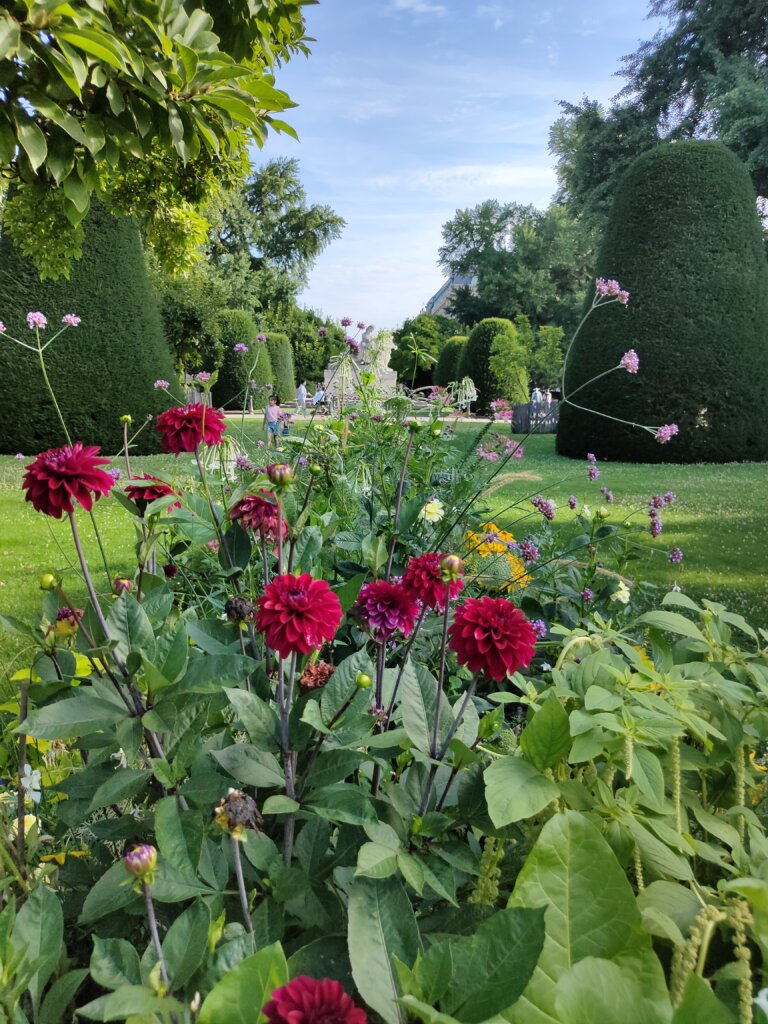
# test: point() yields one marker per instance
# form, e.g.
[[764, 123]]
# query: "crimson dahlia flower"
[[423, 576], [145, 489], [385, 608], [184, 427], [312, 1001], [258, 512], [491, 636], [61, 476], [297, 614]]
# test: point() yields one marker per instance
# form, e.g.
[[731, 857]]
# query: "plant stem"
[[446, 744], [20, 834], [398, 500], [241, 886], [50, 389], [406, 652], [441, 674], [125, 451], [150, 907]]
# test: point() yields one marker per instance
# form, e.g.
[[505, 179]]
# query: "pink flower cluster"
[[630, 361], [500, 445], [546, 506], [502, 410], [240, 348], [70, 320], [37, 320], [161, 385], [611, 289], [592, 471], [665, 433], [203, 377]]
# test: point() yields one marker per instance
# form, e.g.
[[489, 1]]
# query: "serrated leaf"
[[547, 737], [516, 790]]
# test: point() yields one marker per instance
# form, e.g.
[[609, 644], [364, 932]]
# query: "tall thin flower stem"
[[294, 540], [284, 702], [446, 744], [126, 456], [381, 659], [441, 674], [152, 921], [49, 387], [398, 501], [20, 834], [241, 887], [279, 502]]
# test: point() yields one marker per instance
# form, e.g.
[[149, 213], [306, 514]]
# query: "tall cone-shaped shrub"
[[488, 339], [684, 238], [447, 367], [281, 357], [99, 370]]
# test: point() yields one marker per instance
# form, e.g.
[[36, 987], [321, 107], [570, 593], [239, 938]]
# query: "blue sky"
[[411, 109]]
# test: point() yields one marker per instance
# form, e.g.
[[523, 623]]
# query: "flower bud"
[[603, 512], [67, 622], [315, 469], [280, 474], [414, 426], [48, 581], [436, 431], [363, 681], [141, 861], [126, 419], [121, 585], [451, 567]]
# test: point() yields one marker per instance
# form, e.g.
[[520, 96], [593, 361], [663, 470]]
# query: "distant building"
[[441, 300]]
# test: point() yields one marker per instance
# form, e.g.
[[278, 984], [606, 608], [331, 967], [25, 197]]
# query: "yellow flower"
[[489, 556], [621, 593], [30, 822], [757, 765], [647, 662], [433, 511], [62, 855]]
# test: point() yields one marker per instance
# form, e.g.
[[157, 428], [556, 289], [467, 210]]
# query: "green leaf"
[[590, 912], [96, 44], [671, 622], [599, 990], [250, 766], [124, 784], [341, 686], [185, 943], [648, 776], [75, 716], [670, 898], [10, 36], [179, 834], [114, 963], [515, 790], [243, 991], [496, 964], [39, 930], [127, 1001], [547, 737], [656, 856], [700, 1004], [418, 698], [31, 140], [60, 995], [7, 141], [259, 719], [375, 861], [107, 895], [342, 802], [129, 624], [381, 924], [215, 671]]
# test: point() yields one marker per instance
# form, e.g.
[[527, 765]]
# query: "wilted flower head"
[[492, 636], [666, 432], [61, 476], [236, 812], [630, 361], [238, 609], [311, 1001], [258, 512], [70, 320], [386, 608], [37, 320], [140, 860], [314, 677]]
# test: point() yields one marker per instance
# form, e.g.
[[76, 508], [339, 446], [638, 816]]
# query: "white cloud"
[[420, 7], [468, 177]]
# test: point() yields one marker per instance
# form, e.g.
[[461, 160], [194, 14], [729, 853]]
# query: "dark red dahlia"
[[424, 578], [258, 512], [184, 427], [491, 636], [312, 1001], [297, 614], [145, 489], [386, 608], [61, 476]]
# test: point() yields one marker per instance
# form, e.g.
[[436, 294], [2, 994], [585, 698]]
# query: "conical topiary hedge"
[[485, 340], [99, 370], [684, 238], [281, 357], [447, 365]]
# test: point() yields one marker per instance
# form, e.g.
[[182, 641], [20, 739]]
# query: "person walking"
[[301, 397], [272, 421]]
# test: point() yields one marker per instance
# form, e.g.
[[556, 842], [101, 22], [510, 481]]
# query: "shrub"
[[684, 238], [417, 346], [447, 367], [281, 357], [189, 307], [236, 327], [311, 352], [494, 337], [99, 370]]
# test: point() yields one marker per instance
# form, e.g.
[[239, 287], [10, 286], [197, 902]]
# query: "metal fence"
[[541, 419]]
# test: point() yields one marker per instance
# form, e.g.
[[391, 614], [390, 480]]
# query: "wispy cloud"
[[420, 7]]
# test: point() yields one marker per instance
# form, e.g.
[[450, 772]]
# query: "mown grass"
[[720, 520]]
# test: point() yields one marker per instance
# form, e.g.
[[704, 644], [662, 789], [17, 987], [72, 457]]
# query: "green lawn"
[[720, 520]]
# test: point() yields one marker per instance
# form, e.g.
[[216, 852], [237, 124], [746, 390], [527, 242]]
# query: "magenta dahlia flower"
[[184, 427], [61, 476], [297, 614], [490, 635], [312, 1001], [386, 608]]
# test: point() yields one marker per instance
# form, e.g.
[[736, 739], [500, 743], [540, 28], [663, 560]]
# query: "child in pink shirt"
[[272, 416]]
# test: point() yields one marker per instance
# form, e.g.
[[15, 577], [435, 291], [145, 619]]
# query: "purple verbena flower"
[[346, 321], [161, 385], [322, 332], [670, 498], [675, 556], [203, 377], [630, 361], [529, 551], [665, 433], [656, 526], [240, 348], [546, 506], [540, 628], [262, 339], [115, 473], [71, 320], [3, 328], [593, 473], [572, 502], [608, 495], [360, 325], [587, 595], [242, 462], [38, 320]]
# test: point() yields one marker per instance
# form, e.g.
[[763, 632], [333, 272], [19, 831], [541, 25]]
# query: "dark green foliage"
[[311, 353], [99, 370], [236, 327], [683, 237], [283, 373], [475, 362], [189, 307], [447, 367], [417, 346]]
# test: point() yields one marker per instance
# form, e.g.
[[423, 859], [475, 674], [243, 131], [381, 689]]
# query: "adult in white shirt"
[[301, 396]]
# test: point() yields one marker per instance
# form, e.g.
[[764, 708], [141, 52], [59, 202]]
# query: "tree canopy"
[[149, 104]]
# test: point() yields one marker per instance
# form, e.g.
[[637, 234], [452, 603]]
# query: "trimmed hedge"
[[281, 357], [99, 370], [235, 327], [684, 238], [447, 366], [475, 359]]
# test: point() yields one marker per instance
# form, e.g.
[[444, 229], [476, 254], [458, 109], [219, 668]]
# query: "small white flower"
[[586, 511], [122, 760], [621, 593], [30, 783], [433, 511]]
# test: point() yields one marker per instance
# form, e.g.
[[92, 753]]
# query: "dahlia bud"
[[363, 681], [236, 812], [436, 431], [451, 567], [280, 474], [603, 512], [126, 419], [48, 581], [121, 585], [238, 609], [141, 861], [67, 622], [414, 426], [315, 469]]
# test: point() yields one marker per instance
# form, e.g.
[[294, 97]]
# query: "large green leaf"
[[418, 698], [547, 737], [179, 836], [114, 963], [259, 719], [210, 674], [700, 1005], [590, 912], [381, 924], [250, 766], [60, 995], [185, 943], [129, 624], [107, 895], [342, 802], [515, 790], [242, 992], [130, 1000], [671, 622], [77, 715], [600, 990], [38, 930]]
